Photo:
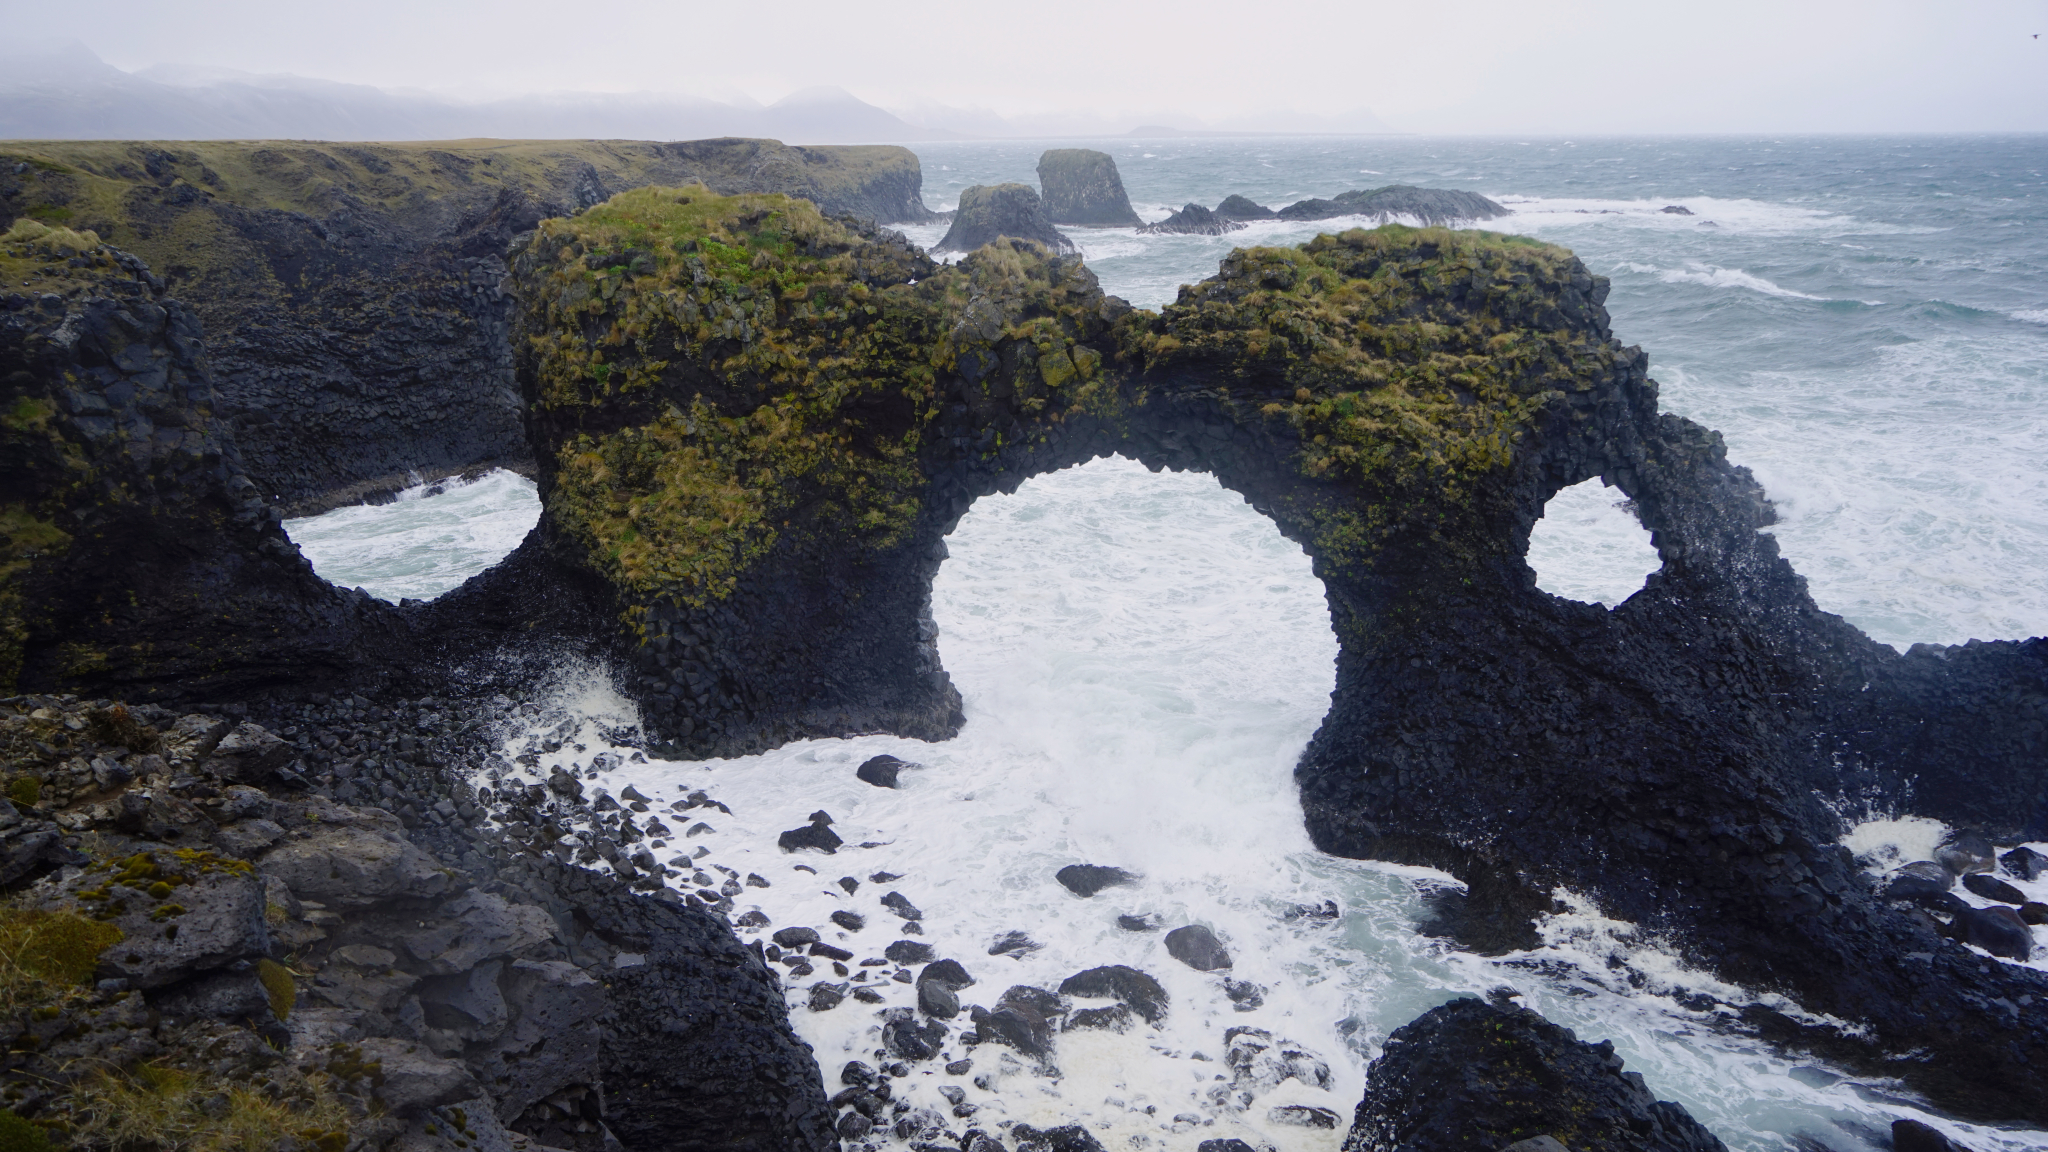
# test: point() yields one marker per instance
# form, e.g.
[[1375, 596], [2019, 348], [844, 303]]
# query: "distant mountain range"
[[64, 91]]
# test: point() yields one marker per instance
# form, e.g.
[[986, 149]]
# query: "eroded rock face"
[[1429, 206], [1082, 186], [989, 213], [140, 557], [1469, 1075], [1402, 402], [354, 295]]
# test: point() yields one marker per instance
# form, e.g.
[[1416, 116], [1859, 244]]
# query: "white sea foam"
[[1142, 657], [429, 540]]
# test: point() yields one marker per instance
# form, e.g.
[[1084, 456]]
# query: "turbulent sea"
[[1143, 656]]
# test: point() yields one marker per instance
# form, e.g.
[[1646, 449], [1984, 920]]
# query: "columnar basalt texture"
[[755, 427], [1468, 1076], [135, 554], [1082, 186], [353, 293]]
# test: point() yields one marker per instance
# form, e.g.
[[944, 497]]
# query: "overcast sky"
[[1529, 66]]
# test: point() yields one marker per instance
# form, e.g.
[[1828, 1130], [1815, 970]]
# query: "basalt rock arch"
[[756, 425]]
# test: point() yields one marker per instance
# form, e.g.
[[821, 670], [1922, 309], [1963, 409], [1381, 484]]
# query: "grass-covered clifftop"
[[720, 370]]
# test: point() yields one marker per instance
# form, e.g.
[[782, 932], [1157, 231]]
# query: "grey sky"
[[1572, 66]]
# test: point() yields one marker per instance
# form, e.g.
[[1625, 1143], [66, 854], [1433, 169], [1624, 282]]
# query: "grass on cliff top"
[[36, 258], [166, 1108]]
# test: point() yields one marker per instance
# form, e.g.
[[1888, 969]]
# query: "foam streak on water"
[[1143, 658]]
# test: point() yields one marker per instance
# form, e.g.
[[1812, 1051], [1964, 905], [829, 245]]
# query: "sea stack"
[[1082, 187], [989, 211], [1432, 207]]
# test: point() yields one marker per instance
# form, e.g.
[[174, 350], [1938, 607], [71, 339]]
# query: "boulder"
[[1023, 1019], [1914, 1136], [814, 837], [1235, 207], [474, 927], [1921, 881], [1675, 210], [1197, 947], [1015, 945], [1192, 220], [470, 1005], [355, 867], [1115, 1018], [908, 952], [1999, 931], [988, 213], [1082, 186], [1992, 888], [414, 1079], [2025, 863], [250, 754], [232, 996], [177, 919], [1127, 986], [879, 771], [906, 1039], [1302, 1116], [1065, 1138], [937, 1000], [851, 921], [899, 904], [948, 972], [795, 937], [1966, 852], [1088, 879], [1463, 1073]]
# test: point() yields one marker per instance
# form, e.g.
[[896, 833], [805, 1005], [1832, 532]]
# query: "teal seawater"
[[1866, 319]]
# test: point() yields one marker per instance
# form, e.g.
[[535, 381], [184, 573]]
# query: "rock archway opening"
[[1589, 546], [1139, 632], [421, 542]]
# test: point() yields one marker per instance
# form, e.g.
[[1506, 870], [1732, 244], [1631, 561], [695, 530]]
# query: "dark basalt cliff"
[[352, 293], [138, 557], [756, 426], [1082, 186], [1473, 1077]]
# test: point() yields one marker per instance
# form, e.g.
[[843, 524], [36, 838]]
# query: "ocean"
[[1143, 657]]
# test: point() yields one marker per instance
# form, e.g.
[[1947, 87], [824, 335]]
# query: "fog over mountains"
[[63, 91]]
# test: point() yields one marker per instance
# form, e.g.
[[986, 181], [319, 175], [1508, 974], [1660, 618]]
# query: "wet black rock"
[[1913, 1136], [2025, 863], [812, 837], [2034, 912], [1115, 1018], [1137, 923], [990, 213], [899, 904], [1324, 913], [1014, 944], [1088, 879], [1197, 947], [1675, 210], [829, 952], [1999, 931], [1192, 220], [1066, 1138], [1235, 207], [904, 1037], [1992, 888], [908, 952], [951, 973], [825, 997], [1023, 1019], [1231, 1145], [795, 937], [1244, 995], [1966, 852], [1428, 206], [1470, 1075], [936, 1000], [1082, 186], [880, 771], [1128, 986], [851, 921], [1921, 881]]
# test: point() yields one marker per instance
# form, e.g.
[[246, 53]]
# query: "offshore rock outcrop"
[[756, 426], [1435, 207], [1235, 207], [989, 212], [307, 907], [352, 293], [1082, 186], [1193, 220], [1468, 1075]]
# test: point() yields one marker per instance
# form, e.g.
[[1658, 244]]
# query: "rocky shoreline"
[[295, 776]]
